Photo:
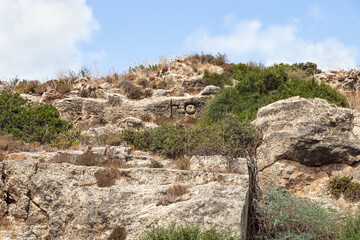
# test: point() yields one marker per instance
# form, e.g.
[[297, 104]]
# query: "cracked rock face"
[[64, 201], [305, 143], [308, 131]]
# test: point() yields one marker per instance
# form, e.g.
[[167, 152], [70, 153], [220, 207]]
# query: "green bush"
[[226, 137], [216, 79], [185, 232], [250, 95], [345, 186], [283, 215], [29, 123]]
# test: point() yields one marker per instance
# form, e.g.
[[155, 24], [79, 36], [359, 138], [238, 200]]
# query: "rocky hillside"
[[104, 187]]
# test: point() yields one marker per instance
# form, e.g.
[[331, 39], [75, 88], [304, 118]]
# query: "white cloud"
[[40, 37], [249, 40]]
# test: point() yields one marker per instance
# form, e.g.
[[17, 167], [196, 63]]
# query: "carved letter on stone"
[[190, 108], [171, 107]]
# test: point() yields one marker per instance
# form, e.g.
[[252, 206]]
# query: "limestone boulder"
[[65, 201], [309, 131]]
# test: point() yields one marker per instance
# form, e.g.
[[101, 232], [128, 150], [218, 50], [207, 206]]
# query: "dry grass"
[[40, 89], [64, 87], [143, 82], [173, 194], [183, 163], [106, 177], [113, 139], [164, 119], [53, 96], [136, 93], [155, 164], [5, 224], [2, 155], [118, 233], [8, 143], [27, 87], [145, 117]]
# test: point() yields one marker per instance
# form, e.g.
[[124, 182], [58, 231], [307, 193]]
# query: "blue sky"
[[42, 37]]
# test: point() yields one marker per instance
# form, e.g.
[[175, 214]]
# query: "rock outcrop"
[[65, 201], [305, 143], [346, 82]]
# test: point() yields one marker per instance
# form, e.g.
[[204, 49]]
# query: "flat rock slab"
[[64, 201]]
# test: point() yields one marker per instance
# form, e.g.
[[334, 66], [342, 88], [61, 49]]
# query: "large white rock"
[[64, 201], [309, 131]]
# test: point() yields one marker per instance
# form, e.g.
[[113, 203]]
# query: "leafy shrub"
[[185, 232], [216, 79], [29, 123], [282, 215], [250, 95], [26, 86], [226, 137], [309, 68], [66, 139], [345, 186]]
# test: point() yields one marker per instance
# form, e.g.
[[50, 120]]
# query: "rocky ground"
[[77, 194]]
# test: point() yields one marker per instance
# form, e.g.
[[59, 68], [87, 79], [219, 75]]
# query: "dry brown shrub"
[[40, 89], [5, 224], [341, 77], [53, 96], [64, 87], [4, 141], [173, 194], [164, 119], [26, 87], [88, 158], [136, 93], [148, 93], [155, 164], [161, 84], [126, 85], [143, 82], [152, 78], [84, 93], [145, 117], [118, 233], [113, 139], [129, 76], [2, 155], [93, 94], [183, 163], [8, 143], [106, 177]]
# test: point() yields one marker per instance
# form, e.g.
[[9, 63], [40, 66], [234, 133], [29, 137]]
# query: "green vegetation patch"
[[27, 122], [226, 137], [345, 186], [258, 86], [283, 215], [186, 232]]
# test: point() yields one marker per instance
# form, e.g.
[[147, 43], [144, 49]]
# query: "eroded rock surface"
[[346, 82], [308, 131], [64, 201], [305, 143]]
